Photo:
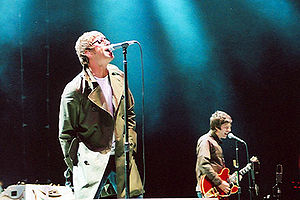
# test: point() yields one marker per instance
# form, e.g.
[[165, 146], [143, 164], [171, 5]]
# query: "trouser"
[[199, 194], [108, 185]]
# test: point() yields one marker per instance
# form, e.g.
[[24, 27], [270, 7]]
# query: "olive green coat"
[[86, 130]]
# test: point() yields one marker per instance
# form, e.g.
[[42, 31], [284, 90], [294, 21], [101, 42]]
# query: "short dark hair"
[[218, 118]]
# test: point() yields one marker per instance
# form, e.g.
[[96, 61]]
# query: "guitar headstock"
[[254, 159], [256, 164]]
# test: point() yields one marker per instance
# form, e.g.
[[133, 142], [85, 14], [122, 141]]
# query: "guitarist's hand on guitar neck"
[[233, 177], [225, 187]]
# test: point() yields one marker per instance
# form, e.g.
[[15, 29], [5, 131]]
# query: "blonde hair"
[[218, 118], [83, 43]]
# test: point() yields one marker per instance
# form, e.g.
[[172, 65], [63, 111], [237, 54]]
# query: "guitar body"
[[208, 189]]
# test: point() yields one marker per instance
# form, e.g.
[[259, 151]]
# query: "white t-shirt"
[[107, 92]]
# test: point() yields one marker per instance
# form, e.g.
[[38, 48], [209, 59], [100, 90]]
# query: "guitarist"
[[210, 160]]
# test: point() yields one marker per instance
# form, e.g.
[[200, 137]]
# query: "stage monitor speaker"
[[38, 192]]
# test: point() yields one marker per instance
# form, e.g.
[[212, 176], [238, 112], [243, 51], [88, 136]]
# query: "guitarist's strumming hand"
[[225, 187]]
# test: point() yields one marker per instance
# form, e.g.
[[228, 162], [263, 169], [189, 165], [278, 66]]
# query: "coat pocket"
[[73, 151]]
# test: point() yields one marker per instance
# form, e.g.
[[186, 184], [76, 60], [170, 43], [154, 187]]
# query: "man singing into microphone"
[[210, 160], [91, 124]]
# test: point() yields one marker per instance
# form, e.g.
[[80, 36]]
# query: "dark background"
[[199, 56]]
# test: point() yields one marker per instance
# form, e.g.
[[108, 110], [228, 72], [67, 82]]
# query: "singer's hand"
[[225, 187]]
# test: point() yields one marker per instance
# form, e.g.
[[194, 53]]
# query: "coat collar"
[[117, 84], [116, 78]]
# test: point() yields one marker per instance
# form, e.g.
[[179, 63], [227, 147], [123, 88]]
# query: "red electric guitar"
[[209, 190]]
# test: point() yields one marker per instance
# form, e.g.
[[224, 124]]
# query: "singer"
[[210, 160], [91, 124]]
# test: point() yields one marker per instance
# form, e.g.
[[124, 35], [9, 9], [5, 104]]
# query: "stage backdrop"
[[239, 56]]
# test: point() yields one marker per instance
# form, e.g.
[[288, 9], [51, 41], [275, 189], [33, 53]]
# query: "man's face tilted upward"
[[99, 52]]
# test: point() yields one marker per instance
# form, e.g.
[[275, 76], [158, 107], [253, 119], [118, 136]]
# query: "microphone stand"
[[250, 173], [126, 145], [237, 166]]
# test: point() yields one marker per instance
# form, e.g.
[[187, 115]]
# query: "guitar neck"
[[245, 169], [241, 172]]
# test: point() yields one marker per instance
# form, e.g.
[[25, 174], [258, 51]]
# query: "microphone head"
[[111, 48], [230, 135], [120, 45]]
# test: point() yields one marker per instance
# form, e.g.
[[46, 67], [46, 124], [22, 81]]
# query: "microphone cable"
[[143, 114]]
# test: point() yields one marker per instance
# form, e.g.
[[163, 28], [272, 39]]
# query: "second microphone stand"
[[250, 175], [237, 166]]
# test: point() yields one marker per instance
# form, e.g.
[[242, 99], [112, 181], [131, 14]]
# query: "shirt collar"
[[214, 135]]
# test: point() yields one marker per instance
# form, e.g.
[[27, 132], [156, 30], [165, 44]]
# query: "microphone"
[[279, 171], [231, 136], [125, 44]]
